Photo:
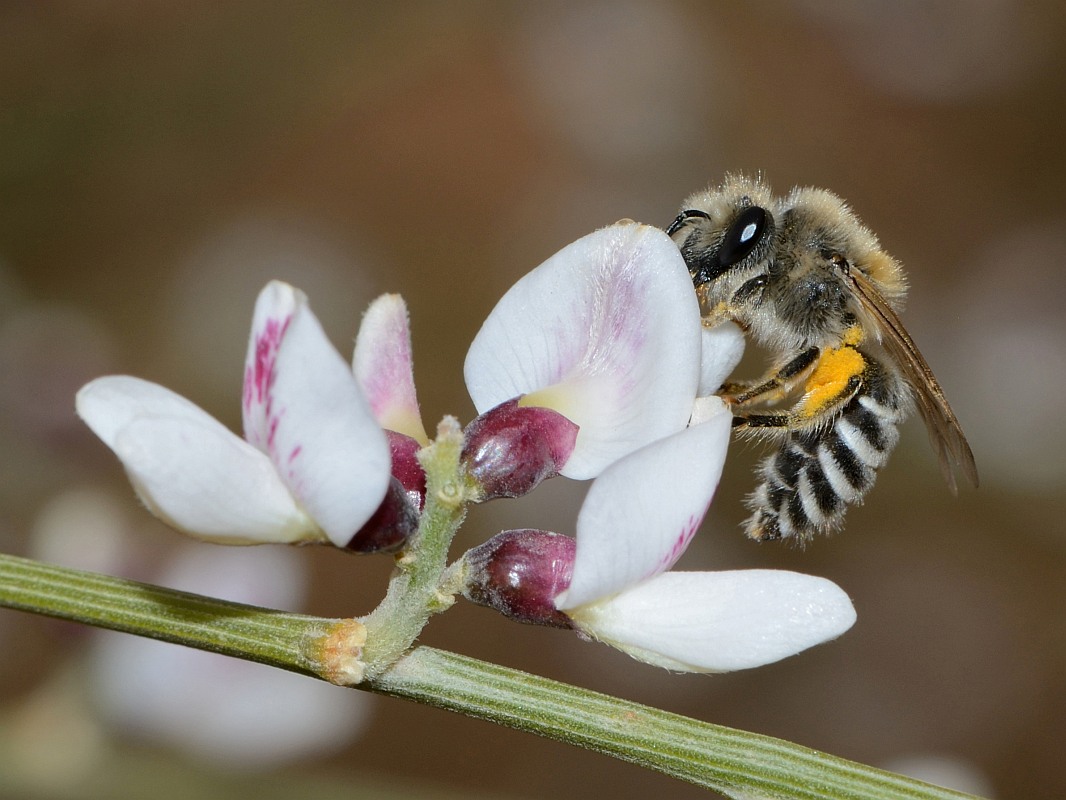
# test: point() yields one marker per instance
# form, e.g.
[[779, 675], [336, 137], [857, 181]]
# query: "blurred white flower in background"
[[942, 770], [86, 528], [212, 707], [230, 712]]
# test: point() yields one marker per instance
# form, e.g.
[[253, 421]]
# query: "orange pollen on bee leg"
[[830, 378], [853, 336]]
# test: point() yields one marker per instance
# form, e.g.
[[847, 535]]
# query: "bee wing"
[[945, 433]]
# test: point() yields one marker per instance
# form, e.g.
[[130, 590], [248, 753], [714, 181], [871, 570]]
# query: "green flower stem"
[[414, 593], [713, 756], [256, 634], [708, 755]]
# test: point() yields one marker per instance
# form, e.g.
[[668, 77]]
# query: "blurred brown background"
[[160, 162]]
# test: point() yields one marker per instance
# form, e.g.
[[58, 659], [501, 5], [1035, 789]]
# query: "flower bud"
[[511, 448], [405, 467], [390, 526], [519, 573], [397, 517]]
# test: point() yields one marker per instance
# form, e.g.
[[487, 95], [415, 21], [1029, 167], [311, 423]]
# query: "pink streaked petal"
[[606, 332], [209, 483], [274, 310], [642, 512], [320, 434], [720, 621], [723, 347], [383, 367]]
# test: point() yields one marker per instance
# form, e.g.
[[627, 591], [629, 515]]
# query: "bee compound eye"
[[743, 235]]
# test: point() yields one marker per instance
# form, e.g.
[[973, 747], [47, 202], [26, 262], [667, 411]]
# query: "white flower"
[[314, 464], [607, 333], [639, 516]]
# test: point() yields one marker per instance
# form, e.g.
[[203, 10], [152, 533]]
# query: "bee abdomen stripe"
[[788, 464], [858, 474], [784, 525], [812, 509], [796, 512], [883, 411], [842, 483], [776, 496], [770, 518], [864, 450], [868, 423], [828, 500]]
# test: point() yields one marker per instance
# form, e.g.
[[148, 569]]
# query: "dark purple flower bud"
[[510, 449], [390, 526], [405, 467], [519, 573]]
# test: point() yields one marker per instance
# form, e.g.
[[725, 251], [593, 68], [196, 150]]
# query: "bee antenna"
[[683, 217]]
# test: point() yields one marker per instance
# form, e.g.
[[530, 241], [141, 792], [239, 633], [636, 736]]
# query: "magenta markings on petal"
[[671, 556], [276, 308], [342, 472], [518, 573], [510, 449], [259, 374]]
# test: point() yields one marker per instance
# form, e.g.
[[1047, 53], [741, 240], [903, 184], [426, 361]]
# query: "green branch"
[[708, 755]]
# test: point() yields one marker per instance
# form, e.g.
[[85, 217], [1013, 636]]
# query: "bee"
[[810, 283]]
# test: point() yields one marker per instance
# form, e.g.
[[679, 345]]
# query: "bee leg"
[[778, 383], [778, 419]]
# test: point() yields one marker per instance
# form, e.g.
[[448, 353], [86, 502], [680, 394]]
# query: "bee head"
[[724, 229]]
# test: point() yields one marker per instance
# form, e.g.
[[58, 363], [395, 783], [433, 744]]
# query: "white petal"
[[606, 332], [723, 347], [188, 468], [110, 403], [384, 369], [274, 310], [320, 434], [642, 512], [212, 486], [720, 621]]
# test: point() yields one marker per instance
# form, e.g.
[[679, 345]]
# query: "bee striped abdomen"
[[806, 486]]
